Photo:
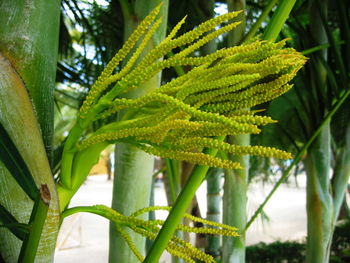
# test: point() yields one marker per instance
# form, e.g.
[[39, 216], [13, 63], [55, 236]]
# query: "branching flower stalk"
[[150, 229], [188, 113]]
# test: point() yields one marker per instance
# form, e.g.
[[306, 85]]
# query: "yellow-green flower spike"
[[96, 89], [193, 157], [136, 54], [189, 216], [211, 99], [206, 39], [175, 29], [128, 240], [151, 228], [236, 149]]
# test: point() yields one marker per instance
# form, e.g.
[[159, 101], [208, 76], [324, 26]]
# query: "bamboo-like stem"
[[134, 168], [37, 220], [236, 181], [236, 35], [319, 203], [213, 211], [173, 183], [298, 156], [18, 117], [34, 56], [341, 174], [234, 204]]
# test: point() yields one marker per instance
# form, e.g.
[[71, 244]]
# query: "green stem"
[[132, 180], [319, 203], [236, 35], [278, 19], [299, 155], [319, 200], [213, 210], [34, 60], [235, 203], [68, 156], [178, 69], [80, 209], [236, 181], [126, 8], [261, 18], [317, 48], [179, 209], [173, 183], [37, 220], [80, 168], [341, 174]]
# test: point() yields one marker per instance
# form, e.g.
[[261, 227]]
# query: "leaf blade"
[[11, 223], [13, 161]]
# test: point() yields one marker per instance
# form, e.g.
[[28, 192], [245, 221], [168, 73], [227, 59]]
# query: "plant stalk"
[[179, 209], [36, 223], [134, 168], [319, 201], [213, 210], [258, 22], [236, 181], [235, 204], [278, 19]]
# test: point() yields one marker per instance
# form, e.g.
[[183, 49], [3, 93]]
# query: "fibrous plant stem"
[[236, 181], [134, 168]]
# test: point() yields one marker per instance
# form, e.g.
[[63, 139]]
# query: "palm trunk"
[[213, 242], [134, 168], [320, 214], [29, 44], [323, 207], [319, 201], [236, 182], [236, 36], [341, 174], [214, 211], [30, 41], [234, 203]]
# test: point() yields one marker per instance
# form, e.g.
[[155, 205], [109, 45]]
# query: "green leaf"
[[12, 159], [11, 223]]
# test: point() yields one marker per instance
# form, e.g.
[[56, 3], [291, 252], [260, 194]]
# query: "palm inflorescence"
[[189, 112]]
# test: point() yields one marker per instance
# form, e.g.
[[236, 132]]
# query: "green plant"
[[207, 109], [176, 121], [27, 80]]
